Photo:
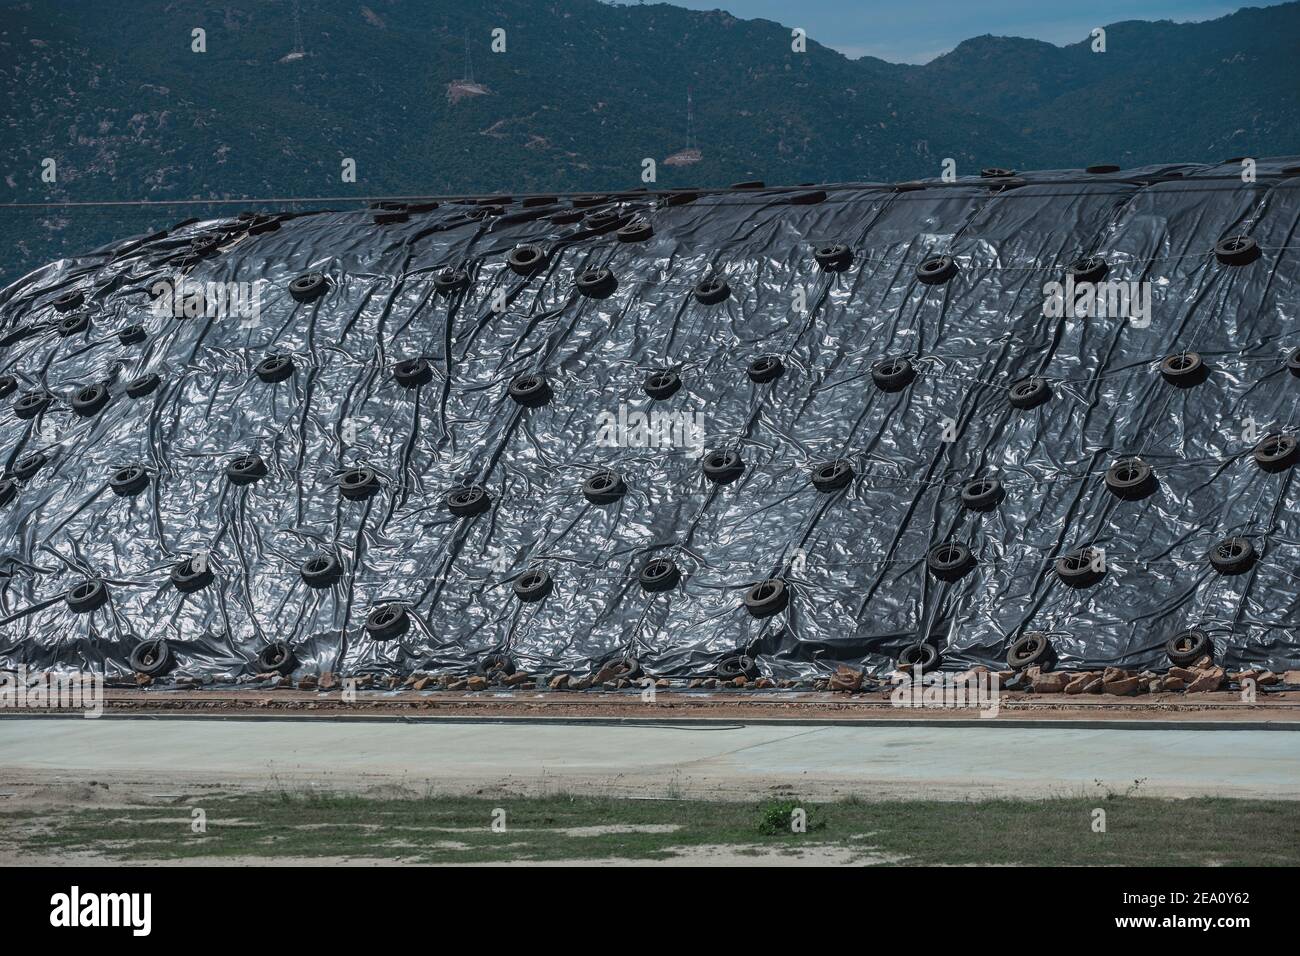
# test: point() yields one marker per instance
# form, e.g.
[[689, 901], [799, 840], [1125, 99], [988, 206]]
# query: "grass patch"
[[1138, 830]]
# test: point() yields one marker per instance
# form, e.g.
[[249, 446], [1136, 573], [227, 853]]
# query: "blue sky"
[[916, 31]]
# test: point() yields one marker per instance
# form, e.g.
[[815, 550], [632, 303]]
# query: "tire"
[[1236, 250], [736, 665], [277, 658], [1293, 363], [152, 658], [8, 491], [833, 258], [1131, 479], [358, 484], [832, 475], [595, 283], [893, 373], [308, 286], [1076, 569], [132, 335], [28, 465], [1275, 452], [86, 597], [90, 401], [603, 488], [713, 290], [996, 172], [1101, 169], [1234, 555], [723, 467], [533, 585], [496, 663], [949, 561], [638, 230], [1030, 650], [73, 325], [450, 280], [810, 198], [748, 184], [659, 574], [1089, 269], [936, 270], [387, 622], [468, 500], [1183, 369], [144, 385], [922, 655], [526, 260], [203, 246], [530, 390], [661, 384], [187, 578], [767, 598], [1029, 392], [982, 494], [275, 368], [1187, 647], [766, 368], [31, 404], [321, 571], [129, 481], [68, 301], [412, 373], [245, 469], [8, 385]]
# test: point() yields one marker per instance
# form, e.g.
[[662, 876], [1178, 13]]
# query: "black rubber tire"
[[387, 622], [142, 386], [1029, 392], [1099, 169], [1293, 363], [153, 658], [748, 184], [893, 373], [321, 571], [275, 368], [86, 596], [936, 270], [1234, 555], [764, 369], [530, 202], [132, 335], [566, 217], [713, 290], [949, 561], [359, 483], [767, 598], [910, 186], [1076, 570], [8, 385], [1131, 479], [67, 301], [8, 491], [1276, 452], [810, 198], [833, 258], [1183, 369], [588, 202], [412, 373], [261, 224], [526, 260], [723, 467], [832, 475], [603, 488], [204, 246], [308, 286], [277, 658], [922, 655], [187, 579], [533, 585], [659, 574], [245, 469], [683, 197], [73, 325], [28, 465], [1089, 269], [595, 283], [736, 665], [129, 481], [90, 400], [996, 172], [31, 404], [1187, 647], [982, 494], [1236, 250], [496, 663], [468, 500], [1030, 650], [389, 217], [450, 280], [530, 390], [638, 230], [661, 384]]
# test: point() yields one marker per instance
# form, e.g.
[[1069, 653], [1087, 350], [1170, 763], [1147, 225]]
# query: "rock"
[[1267, 678], [739, 681], [1123, 687], [1291, 677], [763, 683], [308, 683], [1079, 683], [422, 683], [143, 680], [515, 679], [327, 681], [364, 680], [1153, 685], [393, 681], [1241, 676], [1112, 675], [1175, 683], [477, 682], [695, 682], [610, 672], [580, 683], [459, 684], [711, 682], [1204, 663], [845, 678], [188, 682], [1050, 683], [1184, 674], [663, 682], [1209, 679], [559, 682]]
